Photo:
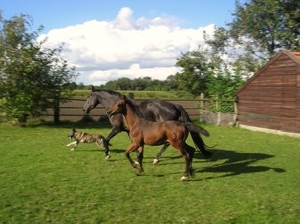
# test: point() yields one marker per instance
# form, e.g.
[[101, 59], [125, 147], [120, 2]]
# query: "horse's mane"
[[112, 92]]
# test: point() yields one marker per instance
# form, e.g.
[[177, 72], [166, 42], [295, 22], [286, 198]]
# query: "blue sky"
[[61, 13], [110, 39]]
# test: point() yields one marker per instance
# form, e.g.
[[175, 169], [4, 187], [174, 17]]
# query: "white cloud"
[[126, 47]]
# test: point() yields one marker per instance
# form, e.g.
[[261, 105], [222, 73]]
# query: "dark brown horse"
[[154, 110], [144, 132]]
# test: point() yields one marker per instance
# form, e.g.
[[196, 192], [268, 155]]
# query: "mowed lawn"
[[253, 177]]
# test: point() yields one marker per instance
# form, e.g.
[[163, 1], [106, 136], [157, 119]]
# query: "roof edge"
[[290, 54]]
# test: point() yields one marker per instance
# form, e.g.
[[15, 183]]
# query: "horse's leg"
[[191, 151], [187, 172], [158, 155], [187, 158], [113, 133], [134, 164], [140, 157], [118, 123], [106, 152], [106, 149]]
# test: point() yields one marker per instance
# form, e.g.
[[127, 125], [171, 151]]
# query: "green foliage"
[[259, 29], [195, 71], [250, 179], [141, 84], [32, 77], [263, 27], [142, 94], [204, 71]]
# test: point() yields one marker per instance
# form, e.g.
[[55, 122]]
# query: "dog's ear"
[[73, 130]]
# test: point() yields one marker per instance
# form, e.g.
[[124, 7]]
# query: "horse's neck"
[[107, 101], [131, 116]]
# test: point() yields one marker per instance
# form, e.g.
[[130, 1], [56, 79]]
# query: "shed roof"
[[294, 55]]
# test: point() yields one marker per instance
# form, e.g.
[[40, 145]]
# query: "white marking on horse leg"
[[155, 161], [137, 164], [107, 157], [183, 178]]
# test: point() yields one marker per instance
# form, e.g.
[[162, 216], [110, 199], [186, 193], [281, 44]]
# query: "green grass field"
[[253, 177]]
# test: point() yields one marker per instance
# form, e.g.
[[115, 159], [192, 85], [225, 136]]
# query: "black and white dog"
[[88, 138]]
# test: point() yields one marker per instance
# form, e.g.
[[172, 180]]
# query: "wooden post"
[[201, 106], [56, 108], [217, 104], [235, 103], [218, 114]]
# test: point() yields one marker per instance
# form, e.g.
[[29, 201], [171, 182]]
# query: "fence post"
[[201, 106], [56, 107], [235, 118], [217, 103], [218, 113], [56, 110]]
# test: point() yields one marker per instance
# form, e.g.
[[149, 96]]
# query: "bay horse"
[[144, 132], [153, 110]]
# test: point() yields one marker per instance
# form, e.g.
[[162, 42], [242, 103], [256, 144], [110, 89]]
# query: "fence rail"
[[71, 110]]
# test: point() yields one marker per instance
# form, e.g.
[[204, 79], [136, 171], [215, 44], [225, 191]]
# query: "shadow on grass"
[[85, 122], [236, 163]]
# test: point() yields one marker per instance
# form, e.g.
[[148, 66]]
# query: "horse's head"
[[91, 102], [105, 97], [118, 107]]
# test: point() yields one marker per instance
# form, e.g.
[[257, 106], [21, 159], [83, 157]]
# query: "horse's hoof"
[[155, 161], [139, 174], [107, 157], [183, 178]]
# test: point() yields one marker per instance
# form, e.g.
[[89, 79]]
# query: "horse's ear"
[[124, 97], [93, 89]]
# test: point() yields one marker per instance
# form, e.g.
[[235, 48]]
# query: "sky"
[[107, 40]]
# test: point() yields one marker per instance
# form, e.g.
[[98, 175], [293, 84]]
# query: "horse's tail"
[[198, 141], [185, 116], [195, 130]]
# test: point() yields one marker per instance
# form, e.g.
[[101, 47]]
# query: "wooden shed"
[[271, 98]]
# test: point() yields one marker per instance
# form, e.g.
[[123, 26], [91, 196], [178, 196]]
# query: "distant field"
[[253, 177], [145, 94]]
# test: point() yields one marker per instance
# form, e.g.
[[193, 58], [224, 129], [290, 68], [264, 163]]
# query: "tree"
[[259, 29], [263, 27], [32, 77], [211, 76], [196, 69]]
